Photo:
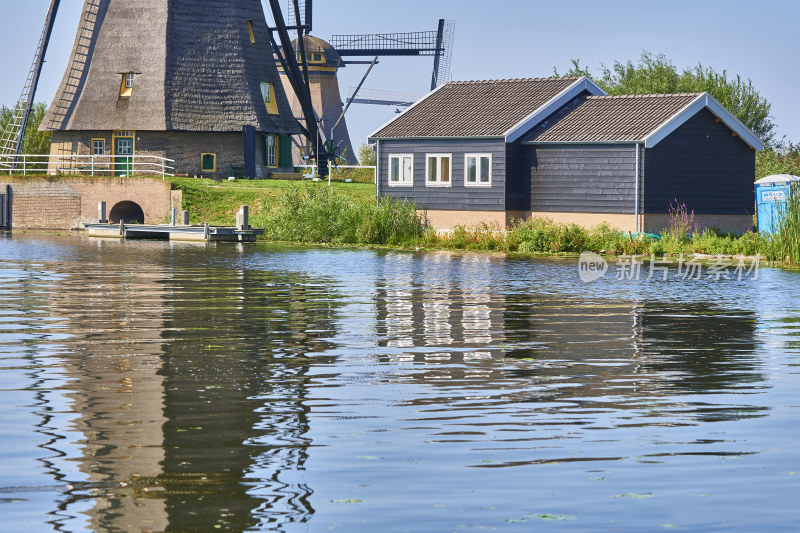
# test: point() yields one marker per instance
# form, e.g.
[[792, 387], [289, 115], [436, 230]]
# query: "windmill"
[[313, 79], [194, 97], [188, 80]]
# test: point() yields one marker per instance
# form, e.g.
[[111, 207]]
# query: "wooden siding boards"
[[457, 196], [518, 189], [702, 165], [582, 178]]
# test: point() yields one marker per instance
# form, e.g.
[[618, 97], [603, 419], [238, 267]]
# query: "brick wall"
[[43, 204], [67, 202], [651, 223], [185, 148], [441, 219], [154, 196], [588, 220]]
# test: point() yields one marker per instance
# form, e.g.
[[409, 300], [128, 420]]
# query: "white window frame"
[[404, 181], [266, 92], [129, 80], [478, 175], [271, 150], [438, 182]]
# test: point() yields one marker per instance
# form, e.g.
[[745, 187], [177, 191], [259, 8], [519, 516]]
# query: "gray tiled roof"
[[611, 118], [475, 108]]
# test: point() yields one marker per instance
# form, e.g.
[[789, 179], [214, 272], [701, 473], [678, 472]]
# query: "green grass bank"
[[217, 202], [347, 214]]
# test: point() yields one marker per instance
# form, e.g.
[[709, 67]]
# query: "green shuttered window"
[[208, 162]]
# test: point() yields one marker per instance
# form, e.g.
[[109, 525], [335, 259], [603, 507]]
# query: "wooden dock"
[[167, 232]]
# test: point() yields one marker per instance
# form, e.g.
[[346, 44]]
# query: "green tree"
[[657, 74], [35, 141], [366, 156], [779, 160]]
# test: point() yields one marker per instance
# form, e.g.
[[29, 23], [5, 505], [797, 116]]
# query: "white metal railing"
[[331, 168], [94, 165]]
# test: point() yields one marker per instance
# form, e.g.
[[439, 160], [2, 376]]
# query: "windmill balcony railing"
[[92, 165]]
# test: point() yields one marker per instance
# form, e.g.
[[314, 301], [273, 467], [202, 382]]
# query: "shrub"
[[543, 235], [319, 214]]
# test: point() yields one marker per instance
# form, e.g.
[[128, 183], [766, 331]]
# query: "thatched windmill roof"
[[195, 69]]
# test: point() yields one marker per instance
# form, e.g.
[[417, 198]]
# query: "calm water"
[[176, 387]]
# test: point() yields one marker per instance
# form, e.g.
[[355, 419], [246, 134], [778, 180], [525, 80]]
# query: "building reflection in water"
[[189, 386], [235, 382], [113, 360], [441, 311]]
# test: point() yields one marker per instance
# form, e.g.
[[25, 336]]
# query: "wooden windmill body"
[[189, 80], [323, 63]]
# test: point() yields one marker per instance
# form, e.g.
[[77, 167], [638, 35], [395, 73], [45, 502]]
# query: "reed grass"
[[786, 242], [308, 213]]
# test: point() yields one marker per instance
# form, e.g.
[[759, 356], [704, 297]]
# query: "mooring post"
[[185, 218], [173, 215], [205, 230], [122, 228], [244, 218], [101, 213]]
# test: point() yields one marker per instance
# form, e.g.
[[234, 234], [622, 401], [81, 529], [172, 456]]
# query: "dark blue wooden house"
[[492, 151]]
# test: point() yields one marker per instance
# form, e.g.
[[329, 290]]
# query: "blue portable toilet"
[[771, 192]]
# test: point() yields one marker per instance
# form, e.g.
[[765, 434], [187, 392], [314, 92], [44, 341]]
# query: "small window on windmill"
[[127, 84], [250, 29], [98, 146], [208, 162], [266, 92]]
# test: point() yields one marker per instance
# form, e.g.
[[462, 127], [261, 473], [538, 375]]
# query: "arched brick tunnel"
[[127, 212]]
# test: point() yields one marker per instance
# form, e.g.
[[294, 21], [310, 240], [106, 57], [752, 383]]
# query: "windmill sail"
[[12, 137]]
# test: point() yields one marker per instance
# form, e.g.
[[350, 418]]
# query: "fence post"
[[92, 165]]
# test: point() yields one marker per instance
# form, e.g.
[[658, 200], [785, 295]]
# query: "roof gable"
[[705, 100], [498, 108]]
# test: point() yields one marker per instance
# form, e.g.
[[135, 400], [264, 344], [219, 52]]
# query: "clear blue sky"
[[505, 39]]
